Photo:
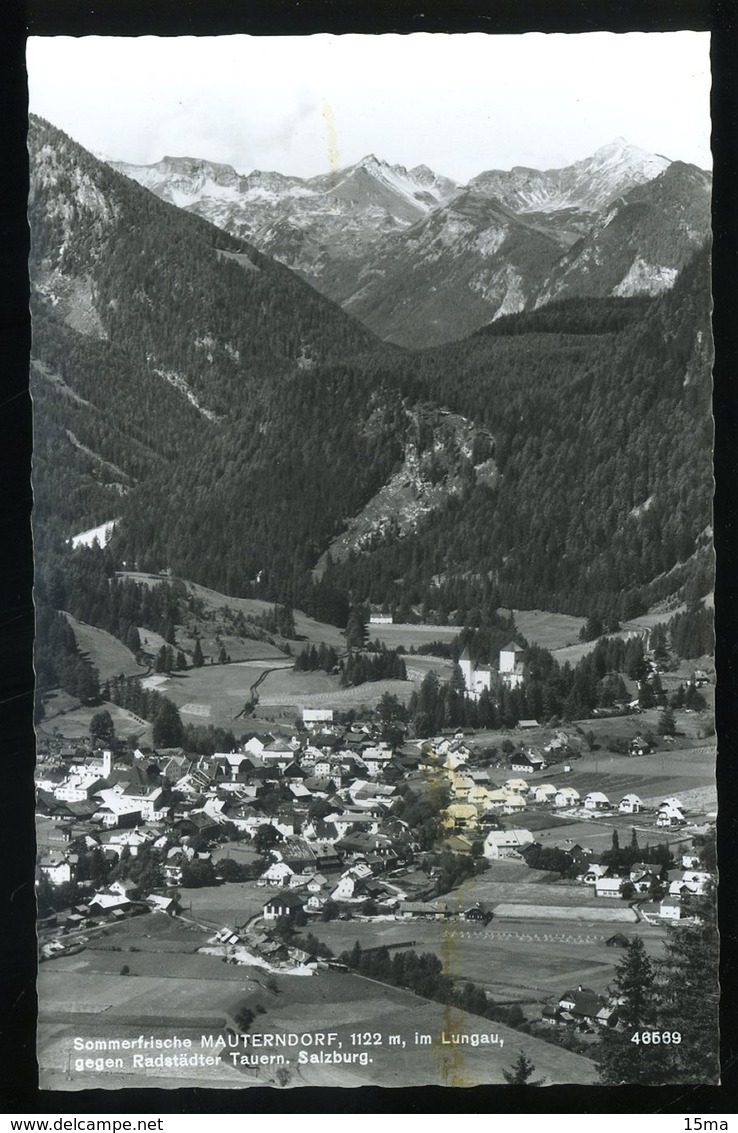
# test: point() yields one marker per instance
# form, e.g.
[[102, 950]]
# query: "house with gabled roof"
[[283, 904], [586, 1006], [670, 909], [596, 800], [460, 816], [687, 881], [506, 843], [611, 887], [527, 762], [566, 797], [57, 868], [670, 816]]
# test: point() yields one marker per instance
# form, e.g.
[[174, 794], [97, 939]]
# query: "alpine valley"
[[353, 497], [244, 431]]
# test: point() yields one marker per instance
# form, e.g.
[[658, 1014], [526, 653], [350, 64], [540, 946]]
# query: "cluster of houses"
[[329, 794], [326, 792], [662, 895]]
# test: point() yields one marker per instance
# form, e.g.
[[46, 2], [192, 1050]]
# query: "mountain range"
[[422, 260], [244, 431]]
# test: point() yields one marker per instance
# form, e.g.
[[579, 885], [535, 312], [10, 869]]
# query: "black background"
[[18, 1071]]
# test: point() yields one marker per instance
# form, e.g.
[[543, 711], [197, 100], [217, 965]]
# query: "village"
[[280, 857]]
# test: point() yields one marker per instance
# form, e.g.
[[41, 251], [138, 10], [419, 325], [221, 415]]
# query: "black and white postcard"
[[374, 569]]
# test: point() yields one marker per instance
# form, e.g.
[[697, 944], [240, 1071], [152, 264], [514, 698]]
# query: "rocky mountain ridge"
[[422, 260]]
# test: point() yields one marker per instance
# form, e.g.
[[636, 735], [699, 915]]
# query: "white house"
[[630, 804], [528, 762], [670, 816], [608, 886], [57, 869], [317, 716], [278, 873], [596, 800], [543, 792], [566, 796], [691, 879], [595, 872], [518, 786], [670, 909], [506, 843]]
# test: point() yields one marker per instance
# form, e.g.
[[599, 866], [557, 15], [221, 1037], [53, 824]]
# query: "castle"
[[477, 678]]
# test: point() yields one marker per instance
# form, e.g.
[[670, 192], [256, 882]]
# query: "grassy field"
[[80, 997], [671, 770], [66, 718], [109, 656], [418, 668], [530, 962], [407, 636], [347, 1004], [550, 631], [368, 695], [214, 694], [225, 905], [313, 631]]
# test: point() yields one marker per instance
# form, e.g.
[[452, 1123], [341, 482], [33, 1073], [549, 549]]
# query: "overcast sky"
[[303, 105]]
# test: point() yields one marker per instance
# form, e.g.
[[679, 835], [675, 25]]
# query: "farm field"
[[597, 836], [237, 648], [221, 905], [285, 686], [550, 631], [367, 695], [213, 600], [530, 962], [81, 1001], [109, 656], [418, 668], [214, 694], [407, 635], [66, 718], [346, 1003], [669, 771], [313, 631]]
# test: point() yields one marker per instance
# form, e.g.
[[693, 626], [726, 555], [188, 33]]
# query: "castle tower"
[[465, 664]]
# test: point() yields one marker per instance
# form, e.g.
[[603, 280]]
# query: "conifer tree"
[[520, 1072], [621, 1061], [690, 997]]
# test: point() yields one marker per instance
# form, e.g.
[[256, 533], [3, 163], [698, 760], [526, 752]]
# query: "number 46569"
[[656, 1037]]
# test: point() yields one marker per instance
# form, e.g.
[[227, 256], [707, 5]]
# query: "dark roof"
[[587, 1003], [285, 899]]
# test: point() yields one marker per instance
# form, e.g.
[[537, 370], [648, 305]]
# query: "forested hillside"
[[604, 454], [234, 421]]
